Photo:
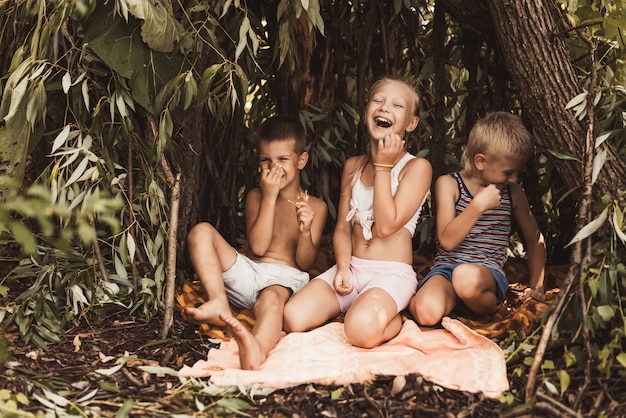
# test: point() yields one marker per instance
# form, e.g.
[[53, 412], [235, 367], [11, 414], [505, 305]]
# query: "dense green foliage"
[[112, 97]]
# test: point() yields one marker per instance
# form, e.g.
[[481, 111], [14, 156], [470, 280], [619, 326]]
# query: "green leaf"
[[606, 312], [591, 227], [108, 386], [47, 334], [601, 138], [78, 171], [61, 138], [159, 370], [621, 358], [119, 45], [577, 100], [570, 358], [564, 380], [235, 404], [243, 31], [618, 219], [160, 31], [24, 237], [166, 127], [130, 242], [550, 386], [337, 394], [110, 371], [598, 162], [564, 155]]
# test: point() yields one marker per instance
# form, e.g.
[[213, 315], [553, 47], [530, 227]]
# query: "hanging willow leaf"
[[598, 162], [590, 228], [61, 138]]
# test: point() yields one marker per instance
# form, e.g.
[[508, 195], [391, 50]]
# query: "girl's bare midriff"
[[396, 247]]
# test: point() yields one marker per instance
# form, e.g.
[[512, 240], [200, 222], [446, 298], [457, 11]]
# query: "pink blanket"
[[455, 358]]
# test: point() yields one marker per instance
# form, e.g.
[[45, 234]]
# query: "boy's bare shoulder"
[[446, 180], [316, 203], [518, 195], [447, 188], [253, 194]]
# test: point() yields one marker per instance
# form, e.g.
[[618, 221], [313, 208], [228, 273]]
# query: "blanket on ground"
[[465, 360], [454, 357]]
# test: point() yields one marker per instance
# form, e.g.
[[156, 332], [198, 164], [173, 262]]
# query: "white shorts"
[[397, 279], [245, 280]]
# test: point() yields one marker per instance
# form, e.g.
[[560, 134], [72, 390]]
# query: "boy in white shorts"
[[284, 227]]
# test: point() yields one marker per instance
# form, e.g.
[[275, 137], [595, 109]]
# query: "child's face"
[[282, 153], [390, 110], [500, 171]]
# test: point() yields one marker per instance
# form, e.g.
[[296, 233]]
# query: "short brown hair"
[[499, 134], [281, 128]]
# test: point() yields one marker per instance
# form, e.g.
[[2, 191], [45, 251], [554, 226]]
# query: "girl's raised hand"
[[389, 149]]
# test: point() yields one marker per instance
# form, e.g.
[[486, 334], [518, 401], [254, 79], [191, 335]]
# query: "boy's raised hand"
[[305, 214], [270, 180], [489, 197]]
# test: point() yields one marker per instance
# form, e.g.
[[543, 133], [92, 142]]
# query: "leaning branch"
[[170, 287], [173, 181]]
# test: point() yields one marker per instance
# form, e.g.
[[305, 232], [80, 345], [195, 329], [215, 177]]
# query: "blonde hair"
[[410, 82], [499, 134]]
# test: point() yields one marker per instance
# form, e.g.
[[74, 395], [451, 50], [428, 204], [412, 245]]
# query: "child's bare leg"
[[372, 319], [476, 287], [254, 346], [433, 301], [250, 353], [210, 255], [311, 307]]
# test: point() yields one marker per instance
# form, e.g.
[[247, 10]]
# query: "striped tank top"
[[488, 241]]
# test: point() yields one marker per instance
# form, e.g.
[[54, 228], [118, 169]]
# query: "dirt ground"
[[69, 369]]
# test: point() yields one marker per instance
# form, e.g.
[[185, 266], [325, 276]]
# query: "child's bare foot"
[[466, 336], [251, 355], [209, 312]]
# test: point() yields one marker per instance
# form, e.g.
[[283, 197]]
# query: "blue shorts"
[[445, 270]]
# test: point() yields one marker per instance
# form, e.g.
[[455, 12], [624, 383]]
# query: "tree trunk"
[[529, 34]]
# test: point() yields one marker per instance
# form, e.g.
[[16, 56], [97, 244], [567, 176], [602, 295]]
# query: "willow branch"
[[173, 181], [590, 148], [170, 289]]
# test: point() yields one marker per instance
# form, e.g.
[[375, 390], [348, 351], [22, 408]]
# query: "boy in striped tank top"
[[475, 208]]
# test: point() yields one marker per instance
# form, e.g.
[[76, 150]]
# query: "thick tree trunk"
[[537, 59], [529, 36]]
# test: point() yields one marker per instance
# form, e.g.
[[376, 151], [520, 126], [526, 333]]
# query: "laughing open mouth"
[[383, 122]]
